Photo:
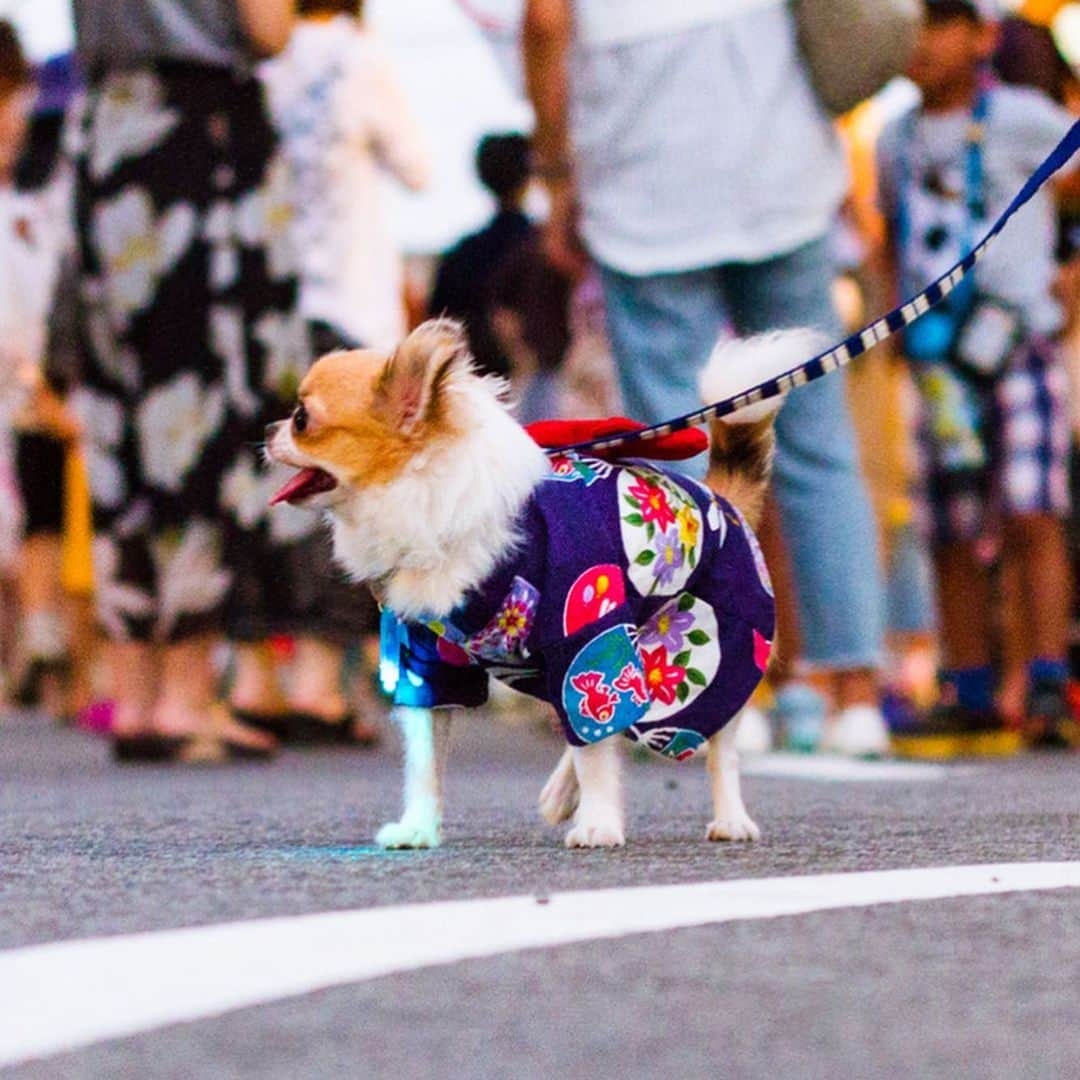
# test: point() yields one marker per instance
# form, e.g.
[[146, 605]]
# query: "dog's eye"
[[300, 419]]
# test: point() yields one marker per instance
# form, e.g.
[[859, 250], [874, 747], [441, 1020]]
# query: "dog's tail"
[[742, 443]]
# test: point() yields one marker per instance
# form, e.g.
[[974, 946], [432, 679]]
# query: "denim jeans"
[[662, 329]]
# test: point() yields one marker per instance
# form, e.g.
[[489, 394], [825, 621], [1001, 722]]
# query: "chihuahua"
[[632, 598]]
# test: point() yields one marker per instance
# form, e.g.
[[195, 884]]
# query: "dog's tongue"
[[304, 483]]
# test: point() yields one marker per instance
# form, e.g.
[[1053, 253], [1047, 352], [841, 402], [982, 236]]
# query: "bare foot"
[[215, 723]]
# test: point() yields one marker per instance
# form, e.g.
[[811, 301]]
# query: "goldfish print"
[[599, 700], [631, 679]]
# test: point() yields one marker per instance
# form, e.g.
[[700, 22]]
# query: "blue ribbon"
[[860, 342]]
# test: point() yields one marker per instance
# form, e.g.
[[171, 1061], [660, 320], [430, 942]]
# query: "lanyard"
[[974, 179]]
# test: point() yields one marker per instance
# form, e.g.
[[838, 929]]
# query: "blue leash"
[[860, 342]]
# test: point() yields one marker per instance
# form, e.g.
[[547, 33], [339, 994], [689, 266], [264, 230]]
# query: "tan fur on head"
[[368, 413], [410, 393]]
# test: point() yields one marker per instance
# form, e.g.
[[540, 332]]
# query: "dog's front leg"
[[730, 819], [426, 733], [559, 797], [598, 821]]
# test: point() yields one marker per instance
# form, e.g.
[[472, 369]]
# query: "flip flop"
[[146, 748], [299, 728]]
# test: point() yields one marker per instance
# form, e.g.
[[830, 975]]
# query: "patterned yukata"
[[192, 341], [637, 602]]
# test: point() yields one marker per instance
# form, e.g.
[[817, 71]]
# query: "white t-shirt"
[[345, 126], [1022, 127], [30, 248], [698, 144]]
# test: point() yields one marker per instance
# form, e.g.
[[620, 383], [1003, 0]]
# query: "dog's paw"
[[596, 834], [397, 835], [559, 798], [736, 826]]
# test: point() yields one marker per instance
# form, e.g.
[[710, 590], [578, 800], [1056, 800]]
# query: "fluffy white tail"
[[741, 446]]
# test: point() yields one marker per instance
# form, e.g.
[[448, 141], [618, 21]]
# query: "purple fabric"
[[637, 601]]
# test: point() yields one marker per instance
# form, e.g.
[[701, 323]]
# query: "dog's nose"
[[272, 429]]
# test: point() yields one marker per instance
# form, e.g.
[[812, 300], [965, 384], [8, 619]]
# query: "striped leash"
[[865, 339]]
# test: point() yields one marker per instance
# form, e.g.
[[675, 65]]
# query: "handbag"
[[852, 48]]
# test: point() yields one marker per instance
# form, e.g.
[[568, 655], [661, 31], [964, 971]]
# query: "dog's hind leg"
[[598, 821], [560, 795], [426, 733], [730, 819]]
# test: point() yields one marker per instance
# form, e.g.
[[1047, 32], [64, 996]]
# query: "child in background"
[[467, 272], [345, 127], [30, 231], [14, 106], [987, 362]]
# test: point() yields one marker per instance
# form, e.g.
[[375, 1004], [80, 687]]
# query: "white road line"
[[71, 994], [838, 769]]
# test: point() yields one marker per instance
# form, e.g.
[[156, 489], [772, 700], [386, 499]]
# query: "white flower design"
[[137, 249], [288, 352], [227, 340], [245, 492], [130, 119], [174, 422], [102, 420], [119, 363], [115, 600], [264, 219], [191, 579], [219, 232]]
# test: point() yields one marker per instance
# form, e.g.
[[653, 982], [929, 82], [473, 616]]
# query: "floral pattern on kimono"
[[637, 603]]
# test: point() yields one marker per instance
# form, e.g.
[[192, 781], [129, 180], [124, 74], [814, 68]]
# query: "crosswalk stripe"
[[67, 995]]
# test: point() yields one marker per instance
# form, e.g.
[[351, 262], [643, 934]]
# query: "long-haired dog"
[[631, 598]]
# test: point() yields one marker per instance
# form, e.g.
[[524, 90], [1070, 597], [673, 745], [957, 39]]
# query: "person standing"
[[988, 365], [346, 126], [684, 150], [189, 323]]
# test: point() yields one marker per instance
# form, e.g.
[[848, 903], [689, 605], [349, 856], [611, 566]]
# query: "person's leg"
[[1034, 437], [317, 686], [1034, 547], [186, 704], [255, 689], [134, 669], [43, 639], [827, 518], [1036, 542], [662, 328], [43, 645], [963, 587]]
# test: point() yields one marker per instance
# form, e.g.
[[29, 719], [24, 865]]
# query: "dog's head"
[[364, 418]]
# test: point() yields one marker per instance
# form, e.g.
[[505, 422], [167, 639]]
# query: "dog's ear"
[[411, 389]]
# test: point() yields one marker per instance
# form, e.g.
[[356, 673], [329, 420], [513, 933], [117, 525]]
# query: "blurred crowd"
[[192, 207]]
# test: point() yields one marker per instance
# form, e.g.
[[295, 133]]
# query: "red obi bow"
[[677, 446]]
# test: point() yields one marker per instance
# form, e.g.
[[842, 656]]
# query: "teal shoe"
[[799, 713]]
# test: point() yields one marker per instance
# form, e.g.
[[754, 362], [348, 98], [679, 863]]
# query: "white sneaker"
[[857, 731], [754, 733]]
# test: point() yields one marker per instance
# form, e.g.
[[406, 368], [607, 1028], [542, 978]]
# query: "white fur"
[[739, 364], [730, 819], [442, 527], [426, 735], [598, 821], [559, 798]]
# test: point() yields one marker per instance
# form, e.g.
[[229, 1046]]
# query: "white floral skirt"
[[192, 342]]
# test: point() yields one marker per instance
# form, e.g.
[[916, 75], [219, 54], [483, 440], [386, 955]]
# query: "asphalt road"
[[985, 986]]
